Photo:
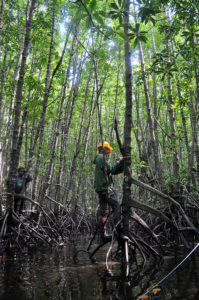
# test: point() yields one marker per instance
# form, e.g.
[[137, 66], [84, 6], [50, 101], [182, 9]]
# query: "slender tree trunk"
[[128, 118], [1, 154], [85, 145], [116, 96], [173, 129], [57, 133], [9, 125], [79, 143], [154, 142], [67, 121], [183, 118], [24, 115], [3, 70], [65, 133], [58, 185], [1, 17], [155, 122], [196, 73], [43, 115], [194, 142], [17, 109], [172, 123], [74, 98], [78, 146]]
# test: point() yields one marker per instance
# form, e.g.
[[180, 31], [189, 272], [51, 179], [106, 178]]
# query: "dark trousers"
[[18, 202], [109, 198]]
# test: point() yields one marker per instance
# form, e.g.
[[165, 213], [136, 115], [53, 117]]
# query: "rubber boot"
[[104, 236]]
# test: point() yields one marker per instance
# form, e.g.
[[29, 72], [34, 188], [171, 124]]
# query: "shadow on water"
[[51, 274]]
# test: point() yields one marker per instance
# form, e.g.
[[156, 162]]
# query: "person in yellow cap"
[[102, 182]]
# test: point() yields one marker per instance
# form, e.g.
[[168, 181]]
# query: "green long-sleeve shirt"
[[102, 180]]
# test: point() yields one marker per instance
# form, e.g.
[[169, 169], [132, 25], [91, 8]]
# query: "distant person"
[[20, 188], [102, 182]]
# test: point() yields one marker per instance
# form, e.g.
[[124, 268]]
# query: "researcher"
[[102, 185], [22, 181]]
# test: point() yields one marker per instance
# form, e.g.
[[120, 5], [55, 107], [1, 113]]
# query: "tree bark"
[[49, 168], [43, 114], [3, 70], [127, 121], [1, 17], [17, 109], [63, 144], [170, 102]]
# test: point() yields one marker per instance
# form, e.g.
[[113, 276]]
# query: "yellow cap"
[[106, 146]]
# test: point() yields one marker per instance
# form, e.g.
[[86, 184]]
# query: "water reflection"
[[52, 274]]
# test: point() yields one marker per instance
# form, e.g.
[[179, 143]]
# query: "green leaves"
[[92, 6], [118, 11], [97, 17], [162, 66], [149, 9], [114, 6], [123, 35], [137, 35]]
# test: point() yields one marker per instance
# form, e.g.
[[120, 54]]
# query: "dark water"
[[52, 274]]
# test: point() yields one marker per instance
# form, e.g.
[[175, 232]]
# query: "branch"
[[161, 194], [149, 209], [118, 137]]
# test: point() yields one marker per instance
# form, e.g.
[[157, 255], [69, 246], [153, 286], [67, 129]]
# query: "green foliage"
[[148, 9], [106, 45]]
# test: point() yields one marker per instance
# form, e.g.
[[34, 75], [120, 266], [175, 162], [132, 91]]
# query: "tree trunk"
[[127, 121], [65, 132], [49, 168], [60, 172], [194, 142], [43, 115], [17, 109], [175, 187], [155, 122], [85, 145], [3, 70], [1, 17], [116, 96], [9, 125]]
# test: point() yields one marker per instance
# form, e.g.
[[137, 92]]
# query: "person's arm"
[[115, 169]]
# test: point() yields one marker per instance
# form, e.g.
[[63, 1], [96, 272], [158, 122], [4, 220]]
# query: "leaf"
[[102, 13], [98, 19], [153, 21], [137, 27], [123, 35], [92, 5], [135, 43], [143, 32], [131, 35], [114, 6], [143, 297], [185, 33], [142, 38], [113, 14], [120, 20], [174, 69]]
